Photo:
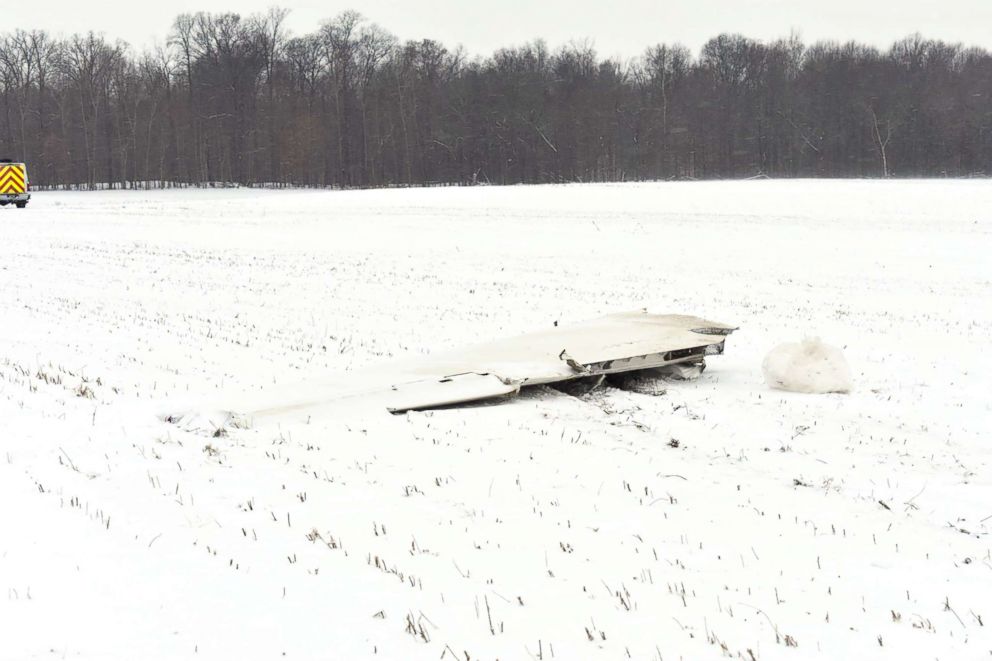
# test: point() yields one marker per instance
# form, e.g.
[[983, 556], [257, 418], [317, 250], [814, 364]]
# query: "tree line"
[[232, 99]]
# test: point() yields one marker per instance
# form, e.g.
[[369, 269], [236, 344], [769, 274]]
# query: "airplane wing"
[[625, 342], [612, 344]]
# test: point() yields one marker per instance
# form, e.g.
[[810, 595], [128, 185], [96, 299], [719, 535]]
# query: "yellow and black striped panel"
[[11, 179]]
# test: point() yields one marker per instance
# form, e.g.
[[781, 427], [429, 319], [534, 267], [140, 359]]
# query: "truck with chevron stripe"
[[15, 188]]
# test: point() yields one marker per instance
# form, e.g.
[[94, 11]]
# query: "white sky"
[[620, 27]]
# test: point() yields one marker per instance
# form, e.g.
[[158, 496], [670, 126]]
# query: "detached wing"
[[616, 343]]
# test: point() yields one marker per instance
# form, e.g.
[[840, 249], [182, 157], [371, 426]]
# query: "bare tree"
[[273, 43], [881, 142]]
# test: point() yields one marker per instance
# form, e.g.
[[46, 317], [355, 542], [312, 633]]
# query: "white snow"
[[810, 366], [713, 517]]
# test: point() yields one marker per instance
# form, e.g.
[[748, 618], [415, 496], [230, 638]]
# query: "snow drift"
[[809, 366]]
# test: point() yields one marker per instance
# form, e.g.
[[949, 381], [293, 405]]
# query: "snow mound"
[[809, 366]]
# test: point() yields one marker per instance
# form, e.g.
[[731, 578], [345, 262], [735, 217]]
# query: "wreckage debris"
[[672, 346], [633, 347]]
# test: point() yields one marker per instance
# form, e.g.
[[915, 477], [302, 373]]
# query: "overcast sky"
[[616, 27]]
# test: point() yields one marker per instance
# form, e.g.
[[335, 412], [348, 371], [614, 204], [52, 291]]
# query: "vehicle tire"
[[21, 205]]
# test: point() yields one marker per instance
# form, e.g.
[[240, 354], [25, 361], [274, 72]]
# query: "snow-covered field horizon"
[[717, 518]]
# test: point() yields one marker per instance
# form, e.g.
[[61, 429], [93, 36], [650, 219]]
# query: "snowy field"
[[719, 518]]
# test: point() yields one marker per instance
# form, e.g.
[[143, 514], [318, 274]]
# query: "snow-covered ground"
[[721, 518]]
